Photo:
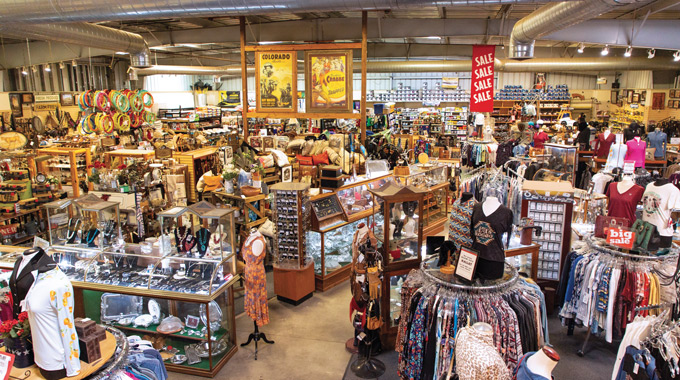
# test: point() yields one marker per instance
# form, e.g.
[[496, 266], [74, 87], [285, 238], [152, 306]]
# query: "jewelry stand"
[[256, 336], [368, 367]]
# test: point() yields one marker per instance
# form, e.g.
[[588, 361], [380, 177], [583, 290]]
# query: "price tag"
[[6, 362], [628, 167], [620, 238]]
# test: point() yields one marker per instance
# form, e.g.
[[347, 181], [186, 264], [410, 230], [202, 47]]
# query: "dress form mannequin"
[[543, 362], [606, 133], [257, 246], [490, 205], [625, 184], [34, 261], [482, 327]]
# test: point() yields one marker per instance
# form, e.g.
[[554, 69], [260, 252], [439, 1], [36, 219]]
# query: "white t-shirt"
[[658, 201], [479, 119], [600, 180]]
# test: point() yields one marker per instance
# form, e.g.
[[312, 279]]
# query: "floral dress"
[[255, 283]]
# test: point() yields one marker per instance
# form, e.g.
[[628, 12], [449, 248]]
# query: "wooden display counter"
[[125, 153]]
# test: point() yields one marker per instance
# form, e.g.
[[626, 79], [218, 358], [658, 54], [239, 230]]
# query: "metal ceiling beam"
[[653, 8], [202, 22]]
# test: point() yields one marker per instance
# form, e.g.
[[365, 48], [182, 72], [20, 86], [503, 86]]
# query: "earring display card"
[[550, 216]]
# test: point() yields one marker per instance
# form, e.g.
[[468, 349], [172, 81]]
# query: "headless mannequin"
[[666, 241], [625, 185], [257, 247], [466, 196], [490, 205], [28, 255], [543, 362], [606, 133], [482, 327]]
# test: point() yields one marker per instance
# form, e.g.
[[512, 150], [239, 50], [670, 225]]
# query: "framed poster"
[[287, 173], [614, 97], [636, 98], [658, 100], [66, 100], [15, 105], [328, 81], [676, 104], [643, 96], [27, 98], [467, 264], [539, 81], [672, 94], [670, 103], [629, 96], [276, 76]]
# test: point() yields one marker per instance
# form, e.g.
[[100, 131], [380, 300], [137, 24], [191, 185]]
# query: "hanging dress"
[[255, 283]]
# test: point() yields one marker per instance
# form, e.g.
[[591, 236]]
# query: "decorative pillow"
[[307, 147], [320, 159], [266, 161], [304, 160], [212, 182]]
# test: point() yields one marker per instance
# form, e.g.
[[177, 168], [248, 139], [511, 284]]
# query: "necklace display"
[[203, 237], [73, 224], [108, 231], [90, 236], [189, 242]]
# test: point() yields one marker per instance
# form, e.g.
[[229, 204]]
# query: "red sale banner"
[[481, 94], [620, 238]]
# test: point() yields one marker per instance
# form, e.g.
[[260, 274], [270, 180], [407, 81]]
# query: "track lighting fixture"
[[651, 53], [676, 56], [48, 68], [74, 63], [629, 52], [581, 48], [24, 72], [605, 50]]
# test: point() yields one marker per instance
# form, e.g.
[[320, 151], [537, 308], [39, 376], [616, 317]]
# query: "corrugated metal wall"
[[525, 80], [637, 79]]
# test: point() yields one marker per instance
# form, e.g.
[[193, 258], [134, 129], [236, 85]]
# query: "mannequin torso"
[[257, 246], [625, 185], [541, 364], [490, 205], [606, 133]]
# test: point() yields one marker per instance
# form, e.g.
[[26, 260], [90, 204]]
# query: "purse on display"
[[373, 319], [604, 223], [646, 237]]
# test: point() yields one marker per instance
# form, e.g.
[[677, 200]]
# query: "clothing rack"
[[597, 245], [432, 273]]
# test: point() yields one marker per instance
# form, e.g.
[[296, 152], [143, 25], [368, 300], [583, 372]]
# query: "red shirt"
[[624, 205], [539, 139]]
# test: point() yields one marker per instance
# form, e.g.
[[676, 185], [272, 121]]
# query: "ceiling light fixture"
[[269, 42], [74, 63], [605, 50], [61, 65], [121, 53], [34, 68], [676, 56], [24, 72], [433, 38], [48, 68], [581, 48], [651, 53], [629, 52]]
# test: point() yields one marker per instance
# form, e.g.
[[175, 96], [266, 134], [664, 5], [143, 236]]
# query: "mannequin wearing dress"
[[255, 278]]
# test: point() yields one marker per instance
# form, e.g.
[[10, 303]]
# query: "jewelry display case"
[[561, 162], [200, 230], [330, 246], [434, 179], [176, 301], [399, 231], [86, 222]]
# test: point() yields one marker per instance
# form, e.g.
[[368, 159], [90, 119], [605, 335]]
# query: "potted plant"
[[95, 174], [229, 174], [15, 334]]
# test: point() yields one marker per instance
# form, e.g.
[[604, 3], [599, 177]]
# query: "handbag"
[[604, 223], [646, 237]]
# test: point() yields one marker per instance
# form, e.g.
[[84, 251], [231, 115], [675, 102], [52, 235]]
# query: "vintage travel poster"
[[276, 77], [328, 80]]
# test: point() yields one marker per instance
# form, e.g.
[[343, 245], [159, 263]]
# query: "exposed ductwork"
[[553, 17], [532, 65], [55, 11], [85, 34]]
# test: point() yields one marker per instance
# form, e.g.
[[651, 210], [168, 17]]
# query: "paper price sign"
[[628, 167], [620, 238], [6, 362]]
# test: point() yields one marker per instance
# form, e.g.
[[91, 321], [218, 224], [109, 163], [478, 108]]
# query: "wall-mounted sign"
[[328, 81], [276, 78], [44, 107], [47, 98], [481, 94], [450, 83]]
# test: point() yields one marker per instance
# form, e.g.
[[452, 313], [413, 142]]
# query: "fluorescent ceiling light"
[[605, 50], [121, 53], [651, 53], [581, 47], [433, 38], [270, 42]]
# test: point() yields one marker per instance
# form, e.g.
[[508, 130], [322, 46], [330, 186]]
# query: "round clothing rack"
[[432, 273], [599, 245]]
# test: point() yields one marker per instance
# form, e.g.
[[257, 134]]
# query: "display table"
[[131, 153]]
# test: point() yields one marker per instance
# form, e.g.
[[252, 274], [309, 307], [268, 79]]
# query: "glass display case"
[[173, 300], [433, 178], [87, 221], [330, 245], [200, 231], [561, 161]]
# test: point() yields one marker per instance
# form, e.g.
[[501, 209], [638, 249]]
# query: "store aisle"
[[310, 341]]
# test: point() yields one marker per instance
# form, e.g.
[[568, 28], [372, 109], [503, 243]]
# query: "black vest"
[[20, 283]]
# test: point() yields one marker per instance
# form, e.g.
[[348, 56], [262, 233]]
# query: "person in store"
[[540, 138], [516, 131]]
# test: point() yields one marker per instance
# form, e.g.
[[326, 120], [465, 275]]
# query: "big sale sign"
[[481, 94], [621, 238]]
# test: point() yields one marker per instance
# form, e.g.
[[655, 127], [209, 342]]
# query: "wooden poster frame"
[[349, 103], [258, 72]]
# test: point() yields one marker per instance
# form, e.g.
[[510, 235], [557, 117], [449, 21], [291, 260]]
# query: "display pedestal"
[[294, 286]]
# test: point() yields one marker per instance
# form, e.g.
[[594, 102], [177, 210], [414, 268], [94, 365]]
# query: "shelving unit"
[[77, 172], [194, 160], [549, 110]]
